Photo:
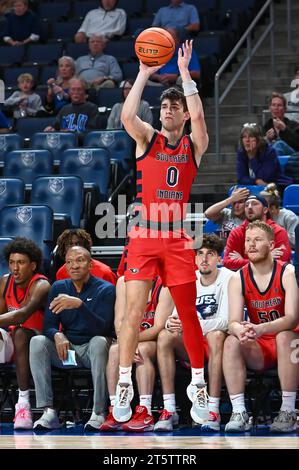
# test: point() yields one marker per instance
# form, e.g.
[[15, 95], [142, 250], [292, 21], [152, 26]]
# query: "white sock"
[[23, 397], [169, 402], [214, 404], [288, 401], [125, 375], [146, 400], [197, 376], [112, 399], [238, 402]]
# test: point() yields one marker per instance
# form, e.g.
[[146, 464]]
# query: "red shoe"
[[110, 424], [141, 421]]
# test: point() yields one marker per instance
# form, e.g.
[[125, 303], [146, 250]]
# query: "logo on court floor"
[[134, 270]]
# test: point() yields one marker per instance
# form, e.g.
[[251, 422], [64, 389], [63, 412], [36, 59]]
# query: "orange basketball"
[[154, 46]]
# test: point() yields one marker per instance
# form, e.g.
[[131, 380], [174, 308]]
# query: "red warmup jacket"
[[236, 242]]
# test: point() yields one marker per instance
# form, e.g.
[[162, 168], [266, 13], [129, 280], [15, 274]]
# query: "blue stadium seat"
[[253, 188], [12, 191], [50, 10], [65, 30], [47, 71], [122, 50], [11, 74], [91, 164], [152, 6], [131, 8], [109, 96], [64, 194], [9, 142], [291, 198], [26, 127], [11, 55], [130, 69], [55, 142], [82, 8], [117, 142], [28, 164], [43, 53], [211, 227], [76, 50], [33, 222], [3, 263], [209, 43], [283, 160], [152, 94]]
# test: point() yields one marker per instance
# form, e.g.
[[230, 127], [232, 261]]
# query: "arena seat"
[[3, 263], [9, 142], [28, 164], [291, 198], [55, 142], [64, 194], [12, 191]]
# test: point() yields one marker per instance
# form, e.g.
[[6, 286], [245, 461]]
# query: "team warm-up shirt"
[[165, 174], [212, 302], [263, 307], [16, 297]]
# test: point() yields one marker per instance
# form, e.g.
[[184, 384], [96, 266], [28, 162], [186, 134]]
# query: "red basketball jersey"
[[264, 306], [15, 298], [149, 314], [165, 174]]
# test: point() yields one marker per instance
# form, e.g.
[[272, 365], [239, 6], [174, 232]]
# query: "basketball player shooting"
[[167, 163]]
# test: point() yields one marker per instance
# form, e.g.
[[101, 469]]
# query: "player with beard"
[[268, 288], [256, 208]]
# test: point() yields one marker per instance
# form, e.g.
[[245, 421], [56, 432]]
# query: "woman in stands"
[[144, 111], [57, 95], [257, 162]]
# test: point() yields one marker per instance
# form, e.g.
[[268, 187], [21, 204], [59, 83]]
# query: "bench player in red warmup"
[[167, 163]]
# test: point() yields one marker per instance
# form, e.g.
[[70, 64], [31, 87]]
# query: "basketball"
[[154, 46]]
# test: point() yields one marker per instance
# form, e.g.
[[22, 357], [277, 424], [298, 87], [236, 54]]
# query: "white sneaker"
[[122, 411], [47, 421], [167, 421], [94, 422], [239, 422], [212, 424], [199, 396]]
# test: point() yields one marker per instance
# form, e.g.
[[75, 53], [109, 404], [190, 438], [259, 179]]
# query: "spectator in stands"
[[257, 162], [212, 311], [178, 15], [58, 89], [5, 124], [22, 300], [79, 237], [292, 98], [80, 115], [22, 26], [169, 74], [79, 318], [158, 308], [256, 208], [269, 290], [283, 217], [24, 102], [229, 217], [280, 131], [97, 69], [144, 112], [107, 21]]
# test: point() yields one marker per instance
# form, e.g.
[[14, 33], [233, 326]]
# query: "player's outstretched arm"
[[199, 133], [139, 130]]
